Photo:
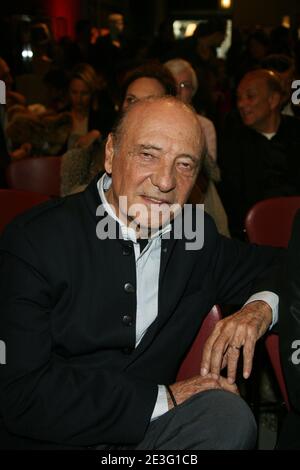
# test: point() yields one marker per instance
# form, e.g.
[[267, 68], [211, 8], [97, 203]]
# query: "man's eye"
[[185, 165], [147, 156], [130, 99]]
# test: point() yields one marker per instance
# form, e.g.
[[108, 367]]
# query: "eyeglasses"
[[186, 85]]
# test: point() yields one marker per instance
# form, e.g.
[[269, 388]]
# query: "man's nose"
[[164, 178], [241, 102]]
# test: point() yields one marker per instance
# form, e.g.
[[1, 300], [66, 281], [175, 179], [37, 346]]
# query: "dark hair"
[[259, 36], [40, 34], [278, 62], [57, 78], [150, 70], [211, 26]]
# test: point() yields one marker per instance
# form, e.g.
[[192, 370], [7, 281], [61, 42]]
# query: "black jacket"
[[73, 375]]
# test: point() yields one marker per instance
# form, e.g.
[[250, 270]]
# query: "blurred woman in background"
[[148, 80], [92, 117], [187, 85], [80, 165]]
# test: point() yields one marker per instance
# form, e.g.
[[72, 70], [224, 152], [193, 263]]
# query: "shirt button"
[[127, 250], [129, 288], [127, 320]]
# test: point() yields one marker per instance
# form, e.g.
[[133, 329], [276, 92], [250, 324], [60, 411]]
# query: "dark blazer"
[[289, 332], [73, 375]]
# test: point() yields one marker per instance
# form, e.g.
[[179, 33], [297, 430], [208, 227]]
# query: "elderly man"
[[96, 327], [259, 154]]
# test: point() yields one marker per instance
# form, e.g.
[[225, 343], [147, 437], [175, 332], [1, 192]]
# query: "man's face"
[[156, 162], [254, 102], [184, 86], [116, 23], [140, 88]]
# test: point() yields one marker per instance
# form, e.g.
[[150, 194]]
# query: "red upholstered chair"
[[191, 364], [39, 174], [269, 222], [272, 345], [13, 203]]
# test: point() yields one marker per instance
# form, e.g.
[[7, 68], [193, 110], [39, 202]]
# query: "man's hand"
[[240, 330], [185, 389]]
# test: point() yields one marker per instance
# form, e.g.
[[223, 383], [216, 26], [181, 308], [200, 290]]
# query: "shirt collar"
[[128, 233]]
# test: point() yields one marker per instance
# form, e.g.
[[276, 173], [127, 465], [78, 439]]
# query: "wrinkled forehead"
[[252, 83], [165, 118]]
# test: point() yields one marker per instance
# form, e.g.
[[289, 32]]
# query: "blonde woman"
[[91, 121]]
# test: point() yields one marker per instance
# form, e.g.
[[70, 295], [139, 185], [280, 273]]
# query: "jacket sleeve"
[[242, 269], [42, 395]]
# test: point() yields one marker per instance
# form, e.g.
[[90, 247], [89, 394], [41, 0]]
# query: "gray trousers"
[[211, 420]]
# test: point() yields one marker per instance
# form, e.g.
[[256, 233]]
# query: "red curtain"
[[64, 14]]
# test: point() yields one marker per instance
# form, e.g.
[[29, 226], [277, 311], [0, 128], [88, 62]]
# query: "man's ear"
[[275, 100], [109, 154]]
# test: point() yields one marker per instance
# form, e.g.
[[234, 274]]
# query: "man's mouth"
[[155, 200], [246, 113]]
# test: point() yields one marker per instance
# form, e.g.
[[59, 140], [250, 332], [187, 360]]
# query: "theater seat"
[[13, 203], [191, 364], [269, 222], [38, 174]]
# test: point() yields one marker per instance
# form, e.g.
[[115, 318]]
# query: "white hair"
[[176, 66]]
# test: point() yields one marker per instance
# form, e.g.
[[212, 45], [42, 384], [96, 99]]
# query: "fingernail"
[[215, 376], [230, 380], [246, 375], [203, 371]]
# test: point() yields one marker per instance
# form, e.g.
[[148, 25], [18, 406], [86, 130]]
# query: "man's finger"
[[229, 387], [207, 350], [248, 353], [233, 354], [217, 353]]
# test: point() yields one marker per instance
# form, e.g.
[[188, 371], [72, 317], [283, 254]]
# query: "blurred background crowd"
[[71, 66]]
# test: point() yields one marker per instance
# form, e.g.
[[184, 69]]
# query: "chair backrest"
[[38, 174], [269, 222], [13, 203], [272, 345], [191, 364]]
